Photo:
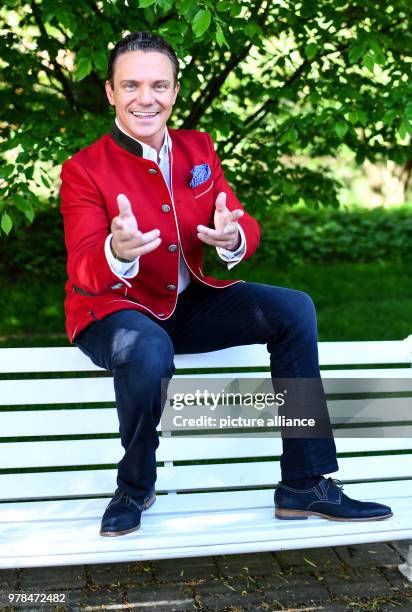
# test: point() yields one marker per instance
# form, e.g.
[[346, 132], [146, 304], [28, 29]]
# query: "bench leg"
[[406, 568]]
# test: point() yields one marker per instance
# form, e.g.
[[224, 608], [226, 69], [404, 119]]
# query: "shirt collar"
[[135, 146]]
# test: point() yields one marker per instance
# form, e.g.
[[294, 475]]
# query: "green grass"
[[361, 301], [354, 301], [31, 312], [368, 301]]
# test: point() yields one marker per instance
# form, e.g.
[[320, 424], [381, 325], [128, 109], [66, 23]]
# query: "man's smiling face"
[[143, 94]]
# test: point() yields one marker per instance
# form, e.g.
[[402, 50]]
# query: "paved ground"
[[344, 578]]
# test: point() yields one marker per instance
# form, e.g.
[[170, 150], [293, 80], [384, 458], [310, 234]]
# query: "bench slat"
[[96, 390], [367, 376], [69, 359], [69, 453], [375, 410], [45, 359], [63, 509], [191, 477], [20, 423], [69, 422], [188, 534], [365, 383], [56, 391], [330, 353], [361, 381], [269, 542]]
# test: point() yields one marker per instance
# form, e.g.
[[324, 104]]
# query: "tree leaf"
[[146, 3], [6, 223], [222, 6], [84, 67], [45, 181], [201, 22], [362, 117], [357, 116], [355, 52], [380, 57], [187, 7], [20, 201], [220, 37], [308, 9], [405, 128], [64, 17], [408, 110], [100, 60], [61, 156], [310, 50], [389, 116], [235, 9], [369, 62], [341, 128], [290, 135], [353, 117], [24, 206], [251, 29], [6, 170]]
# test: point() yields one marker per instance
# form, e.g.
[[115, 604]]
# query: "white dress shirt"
[[131, 269]]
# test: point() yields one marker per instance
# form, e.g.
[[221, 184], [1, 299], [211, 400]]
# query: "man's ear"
[[177, 87], [109, 92]]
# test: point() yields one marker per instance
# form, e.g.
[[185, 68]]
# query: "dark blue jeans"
[[139, 350]]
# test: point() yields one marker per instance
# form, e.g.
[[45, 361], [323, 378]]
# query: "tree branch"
[[214, 85], [56, 70], [165, 18], [266, 107], [270, 104], [213, 89]]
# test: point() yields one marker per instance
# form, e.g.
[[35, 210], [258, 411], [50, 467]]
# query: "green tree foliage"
[[280, 85]]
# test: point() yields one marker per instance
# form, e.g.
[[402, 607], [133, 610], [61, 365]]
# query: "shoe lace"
[[336, 482], [128, 499]]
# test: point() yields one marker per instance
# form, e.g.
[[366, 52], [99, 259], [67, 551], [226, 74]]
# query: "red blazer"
[[91, 181]]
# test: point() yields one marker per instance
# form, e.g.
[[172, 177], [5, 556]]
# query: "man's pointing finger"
[[125, 208], [221, 201], [236, 214]]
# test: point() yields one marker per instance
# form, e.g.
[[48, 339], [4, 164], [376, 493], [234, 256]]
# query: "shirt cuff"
[[233, 257], [126, 270]]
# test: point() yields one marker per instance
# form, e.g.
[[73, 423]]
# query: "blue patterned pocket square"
[[200, 174]]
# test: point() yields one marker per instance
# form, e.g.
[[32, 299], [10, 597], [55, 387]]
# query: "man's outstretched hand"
[[226, 234], [127, 241]]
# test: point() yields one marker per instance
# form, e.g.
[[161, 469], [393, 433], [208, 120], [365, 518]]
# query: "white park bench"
[[57, 475]]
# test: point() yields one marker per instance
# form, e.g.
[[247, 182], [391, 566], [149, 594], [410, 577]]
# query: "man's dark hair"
[[142, 41]]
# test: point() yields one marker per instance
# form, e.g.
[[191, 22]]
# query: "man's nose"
[[144, 96]]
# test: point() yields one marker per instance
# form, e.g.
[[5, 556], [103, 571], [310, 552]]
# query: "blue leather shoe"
[[326, 500], [123, 513]]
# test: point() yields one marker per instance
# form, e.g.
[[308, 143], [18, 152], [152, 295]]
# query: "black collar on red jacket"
[[126, 142]]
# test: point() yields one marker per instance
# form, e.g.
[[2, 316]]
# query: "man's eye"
[[130, 86], [161, 86]]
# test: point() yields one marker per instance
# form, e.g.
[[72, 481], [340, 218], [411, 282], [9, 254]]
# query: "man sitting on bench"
[[139, 206]]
